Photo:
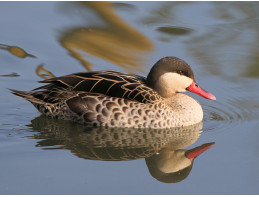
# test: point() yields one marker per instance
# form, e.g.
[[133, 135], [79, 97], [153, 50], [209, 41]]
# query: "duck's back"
[[109, 83]]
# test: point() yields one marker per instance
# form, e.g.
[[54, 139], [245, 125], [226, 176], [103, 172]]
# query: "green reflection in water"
[[226, 37], [253, 69]]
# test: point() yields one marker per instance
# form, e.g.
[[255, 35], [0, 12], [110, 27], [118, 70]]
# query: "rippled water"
[[219, 40]]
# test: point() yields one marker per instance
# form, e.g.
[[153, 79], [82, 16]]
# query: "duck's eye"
[[180, 72]]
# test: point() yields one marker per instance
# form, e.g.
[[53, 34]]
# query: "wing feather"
[[110, 83]]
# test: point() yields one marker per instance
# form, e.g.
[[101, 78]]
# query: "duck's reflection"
[[162, 149], [171, 166]]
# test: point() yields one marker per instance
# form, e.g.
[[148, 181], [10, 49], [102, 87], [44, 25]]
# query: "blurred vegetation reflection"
[[224, 38], [163, 149], [16, 51], [116, 41], [227, 46]]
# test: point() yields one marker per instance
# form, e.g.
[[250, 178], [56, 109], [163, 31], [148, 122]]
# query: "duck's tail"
[[29, 96]]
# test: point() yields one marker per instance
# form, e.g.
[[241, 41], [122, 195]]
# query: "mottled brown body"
[[118, 112]]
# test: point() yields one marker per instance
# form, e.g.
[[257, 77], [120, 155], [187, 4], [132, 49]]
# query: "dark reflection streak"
[[165, 12], [175, 30], [123, 6], [10, 75]]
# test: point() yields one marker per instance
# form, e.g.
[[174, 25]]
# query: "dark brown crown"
[[168, 64]]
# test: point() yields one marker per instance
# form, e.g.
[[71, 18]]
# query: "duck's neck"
[[181, 100], [185, 107], [162, 89]]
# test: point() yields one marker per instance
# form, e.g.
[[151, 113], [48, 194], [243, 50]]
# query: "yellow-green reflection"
[[253, 67], [16, 51], [43, 73], [116, 42], [163, 149]]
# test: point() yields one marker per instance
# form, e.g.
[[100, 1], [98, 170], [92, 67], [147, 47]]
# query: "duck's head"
[[171, 75]]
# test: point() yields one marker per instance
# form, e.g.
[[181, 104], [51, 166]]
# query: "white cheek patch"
[[170, 83]]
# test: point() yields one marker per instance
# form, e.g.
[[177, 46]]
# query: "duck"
[[117, 99]]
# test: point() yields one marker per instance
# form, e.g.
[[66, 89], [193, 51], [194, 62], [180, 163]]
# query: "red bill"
[[195, 88]]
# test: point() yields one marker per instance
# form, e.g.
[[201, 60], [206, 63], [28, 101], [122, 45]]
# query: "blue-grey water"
[[220, 40]]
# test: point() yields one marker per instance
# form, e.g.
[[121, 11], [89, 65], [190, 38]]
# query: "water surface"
[[219, 40]]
